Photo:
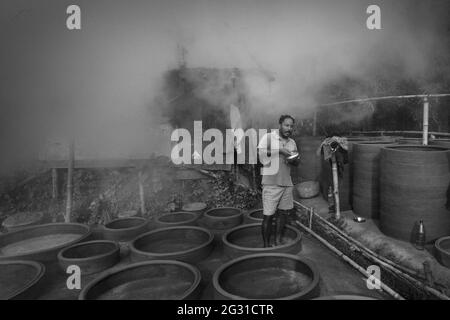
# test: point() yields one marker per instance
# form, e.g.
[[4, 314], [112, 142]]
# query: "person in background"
[[277, 187]]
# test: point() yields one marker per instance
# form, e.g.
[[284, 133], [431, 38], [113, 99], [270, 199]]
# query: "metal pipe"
[[444, 134], [426, 108], [350, 261], [387, 98]]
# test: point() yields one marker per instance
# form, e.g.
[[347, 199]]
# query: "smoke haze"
[[100, 84]]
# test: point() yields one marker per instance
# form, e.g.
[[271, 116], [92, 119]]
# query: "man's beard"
[[285, 134]]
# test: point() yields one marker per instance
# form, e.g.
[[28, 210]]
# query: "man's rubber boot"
[[281, 223], [266, 230]]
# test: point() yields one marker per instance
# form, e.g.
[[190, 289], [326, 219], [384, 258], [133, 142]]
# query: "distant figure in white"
[[277, 194]]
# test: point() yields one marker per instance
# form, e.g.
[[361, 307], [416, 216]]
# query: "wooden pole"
[[55, 190], [335, 186], [70, 182], [426, 108], [254, 176], [182, 193], [141, 191]]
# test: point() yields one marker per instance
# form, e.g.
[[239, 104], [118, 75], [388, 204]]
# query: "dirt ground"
[[99, 195]]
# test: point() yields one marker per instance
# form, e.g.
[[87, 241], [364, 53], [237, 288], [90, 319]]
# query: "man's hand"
[[285, 152], [295, 161]]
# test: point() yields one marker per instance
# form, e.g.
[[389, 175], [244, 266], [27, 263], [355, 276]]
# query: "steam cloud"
[[99, 84]]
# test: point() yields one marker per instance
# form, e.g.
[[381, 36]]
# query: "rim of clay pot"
[[144, 221], [438, 242], [207, 213], [249, 215], [298, 236], [128, 214], [193, 218], [115, 248], [162, 255], [378, 142], [44, 226], [203, 206], [39, 267], [345, 297], [112, 272], [308, 288], [7, 222]]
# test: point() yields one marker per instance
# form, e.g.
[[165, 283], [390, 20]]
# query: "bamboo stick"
[[70, 182], [253, 168], [182, 194], [55, 193], [383, 286], [141, 191], [335, 186]]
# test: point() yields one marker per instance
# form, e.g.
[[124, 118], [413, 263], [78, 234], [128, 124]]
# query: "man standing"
[[277, 197]]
